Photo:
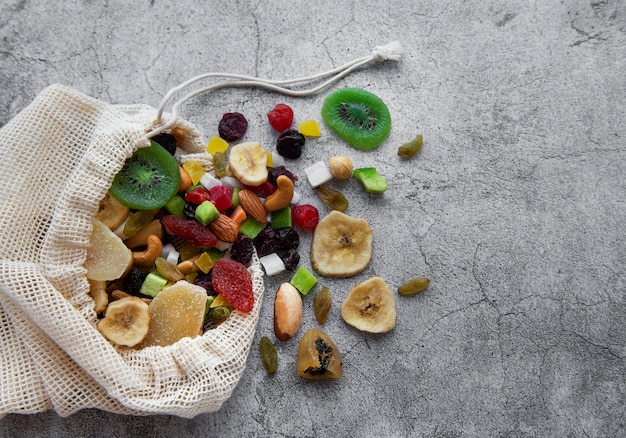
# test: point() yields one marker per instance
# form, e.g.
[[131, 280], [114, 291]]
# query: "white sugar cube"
[[318, 174], [272, 264], [231, 182], [209, 181]]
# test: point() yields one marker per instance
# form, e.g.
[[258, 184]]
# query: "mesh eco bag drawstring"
[[59, 157]]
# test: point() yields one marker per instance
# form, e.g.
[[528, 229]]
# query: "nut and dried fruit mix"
[[173, 239]]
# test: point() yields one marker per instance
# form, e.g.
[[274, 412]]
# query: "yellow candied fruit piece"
[[204, 262], [191, 277], [219, 300], [309, 128], [195, 171], [175, 313], [270, 160], [217, 144]]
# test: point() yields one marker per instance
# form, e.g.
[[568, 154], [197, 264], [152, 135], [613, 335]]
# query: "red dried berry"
[[221, 197], [190, 230], [262, 190], [198, 195], [305, 216], [232, 280], [233, 126], [281, 117]]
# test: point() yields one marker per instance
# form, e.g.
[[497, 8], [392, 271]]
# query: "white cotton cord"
[[388, 52]]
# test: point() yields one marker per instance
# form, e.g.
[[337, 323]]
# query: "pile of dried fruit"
[[172, 241]]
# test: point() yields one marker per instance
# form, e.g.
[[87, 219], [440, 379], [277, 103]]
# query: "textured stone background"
[[515, 208]]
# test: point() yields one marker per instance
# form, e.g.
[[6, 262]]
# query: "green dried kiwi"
[[269, 357], [136, 221], [414, 286], [148, 179], [219, 164], [407, 150], [334, 199], [357, 116], [168, 270], [322, 301]]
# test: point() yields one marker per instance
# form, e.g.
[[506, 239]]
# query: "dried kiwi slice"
[[148, 179], [357, 116]]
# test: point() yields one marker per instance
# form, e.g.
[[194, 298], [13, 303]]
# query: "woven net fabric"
[[59, 157]]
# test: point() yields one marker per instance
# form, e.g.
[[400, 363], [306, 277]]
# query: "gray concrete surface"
[[514, 208]]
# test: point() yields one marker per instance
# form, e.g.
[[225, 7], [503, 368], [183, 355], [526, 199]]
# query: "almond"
[[252, 205], [224, 228]]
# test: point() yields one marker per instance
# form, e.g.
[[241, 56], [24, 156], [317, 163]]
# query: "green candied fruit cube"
[[251, 227], [153, 284], [175, 205], [280, 219], [303, 280], [370, 179], [207, 213]]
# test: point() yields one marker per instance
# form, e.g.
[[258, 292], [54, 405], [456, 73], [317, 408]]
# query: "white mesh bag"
[[59, 156]]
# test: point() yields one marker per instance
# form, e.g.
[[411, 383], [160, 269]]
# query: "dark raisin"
[[287, 238], [168, 141], [265, 242], [206, 281], [275, 172], [289, 144], [134, 280], [242, 249], [189, 210], [233, 126], [290, 258]]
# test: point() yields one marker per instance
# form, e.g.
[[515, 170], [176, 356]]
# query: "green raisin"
[[334, 199], [168, 270], [269, 357], [407, 150], [136, 221], [219, 164], [218, 315], [321, 304], [414, 286]]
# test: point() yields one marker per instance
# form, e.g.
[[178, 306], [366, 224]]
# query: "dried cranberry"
[[221, 197], [289, 144], [190, 230], [168, 141], [198, 195], [265, 242], [233, 126], [290, 258], [263, 190], [275, 172], [305, 216], [242, 249], [281, 117], [287, 238]]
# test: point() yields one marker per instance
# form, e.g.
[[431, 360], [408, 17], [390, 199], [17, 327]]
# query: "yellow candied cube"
[[195, 171], [219, 300], [217, 144], [309, 128], [204, 262]]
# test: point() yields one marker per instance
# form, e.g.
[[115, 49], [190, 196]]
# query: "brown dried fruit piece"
[[318, 356]]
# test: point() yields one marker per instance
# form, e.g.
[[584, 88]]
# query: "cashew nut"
[[187, 267], [281, 198], [147, 258], [97, 290]]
